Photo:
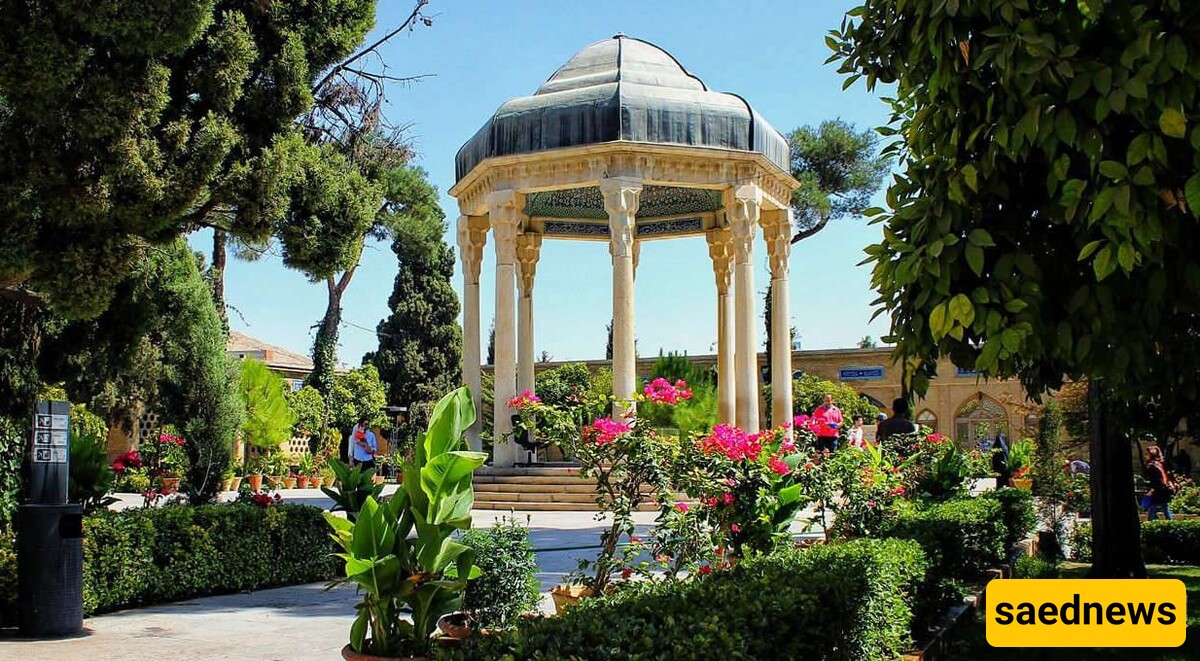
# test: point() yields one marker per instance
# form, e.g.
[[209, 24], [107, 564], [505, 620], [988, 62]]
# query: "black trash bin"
[[50, 569]]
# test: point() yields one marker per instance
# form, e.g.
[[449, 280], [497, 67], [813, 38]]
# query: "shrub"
[[1080, 540], [841, 601], [308, 407], [509, 585], [961, 539], [1187, 499], [269, 418], [1016, 512], [1172, 542], [147, 556], [1034, 567], [8, 578]]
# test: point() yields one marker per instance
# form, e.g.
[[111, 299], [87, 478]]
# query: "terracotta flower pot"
[[302, 482], [455, 625], [566, 596], [275, 481], [315, 482], [170, 485], [349, 654], [255, 482], [289, 483], [227, 484], [1024, 483], [235, 484]]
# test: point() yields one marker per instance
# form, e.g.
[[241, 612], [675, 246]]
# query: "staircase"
[[542, 488]]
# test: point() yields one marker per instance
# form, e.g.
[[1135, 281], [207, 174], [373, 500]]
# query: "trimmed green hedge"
[[1016, 512], [156, 555], [961, 539], [842, 601], [1175, 542]]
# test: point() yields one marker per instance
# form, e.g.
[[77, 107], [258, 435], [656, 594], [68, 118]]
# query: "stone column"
[[529, 246], [720, 249], [621, 195], [503, 213], [777, 230], [472, 235], [742, 209]]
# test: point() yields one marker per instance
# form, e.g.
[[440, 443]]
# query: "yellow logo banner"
[[1086, 613]]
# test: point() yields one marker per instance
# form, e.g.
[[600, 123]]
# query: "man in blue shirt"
[[363, 445]]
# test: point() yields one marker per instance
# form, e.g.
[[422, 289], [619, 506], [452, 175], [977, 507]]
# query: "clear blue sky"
[[485, 52]]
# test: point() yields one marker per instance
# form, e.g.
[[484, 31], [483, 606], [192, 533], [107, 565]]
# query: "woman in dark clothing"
[[1161, 489]]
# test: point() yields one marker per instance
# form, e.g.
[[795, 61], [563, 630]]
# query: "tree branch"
[[804, 234], [345, 64]]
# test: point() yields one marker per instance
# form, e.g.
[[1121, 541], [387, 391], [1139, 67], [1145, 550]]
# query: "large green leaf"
[[443, 473], [451, 418], [455, 509]]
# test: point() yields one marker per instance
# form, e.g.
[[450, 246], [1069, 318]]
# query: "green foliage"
[[13, 447], [555, 385], [174, 109], [695, 415], [308, 407], [1029, 566], [8, 577], [1016, 513], [1172, 542], [840, 602], [1070, 158], [91, 478], [428, 573], [508, 585], [1081, 542], [269, 419], [1020, 455], [356, 394], [420, 343], [148, 556], [1187, 499], [961, 539], [808, 392], [839, 168], [351, 488]]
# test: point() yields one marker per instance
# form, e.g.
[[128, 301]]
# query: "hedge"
[[961, 539], [1175, 542], [1016, 512], [841, 601], [149, 556]]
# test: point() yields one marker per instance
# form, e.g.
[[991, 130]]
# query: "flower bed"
[[842, 601], [148, 556]]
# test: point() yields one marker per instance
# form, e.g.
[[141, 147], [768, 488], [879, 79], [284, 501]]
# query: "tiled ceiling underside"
[[588, 203]]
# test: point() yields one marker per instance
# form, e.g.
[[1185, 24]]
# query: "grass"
[[972, 644]]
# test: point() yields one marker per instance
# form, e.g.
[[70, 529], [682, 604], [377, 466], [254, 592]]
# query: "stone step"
[[549, 507], [530, 471], [520, 486], [529, 479], [534, 497]]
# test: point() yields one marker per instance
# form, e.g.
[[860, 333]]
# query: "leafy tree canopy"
[[269, 419], [1044, 222], [128, 121], [839, 168], [358, 393]]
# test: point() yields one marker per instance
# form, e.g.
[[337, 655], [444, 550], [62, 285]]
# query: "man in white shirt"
[[363, 445]]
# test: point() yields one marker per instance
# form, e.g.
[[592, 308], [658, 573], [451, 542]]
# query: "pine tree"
[[420, 344]]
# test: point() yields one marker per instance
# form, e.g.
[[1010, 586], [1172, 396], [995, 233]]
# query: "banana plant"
[[426, 572], [351, 488]]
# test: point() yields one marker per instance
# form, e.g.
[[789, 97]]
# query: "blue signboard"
[[962, 371], [860, 373]]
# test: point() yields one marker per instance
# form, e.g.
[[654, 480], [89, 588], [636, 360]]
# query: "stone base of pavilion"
[[549, 487]]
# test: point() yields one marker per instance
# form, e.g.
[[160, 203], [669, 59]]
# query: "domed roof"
[[622, 89]]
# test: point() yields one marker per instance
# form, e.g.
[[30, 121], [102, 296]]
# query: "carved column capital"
[[504, 214], [720, 249], [472, 236], [621, 199], [777, 231], [529, 248], [742, 207]]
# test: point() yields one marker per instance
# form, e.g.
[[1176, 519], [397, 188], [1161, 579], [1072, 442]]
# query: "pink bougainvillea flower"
[[626, 573], [780, 466], [935, 438], [727, 498], [682, 507], [661, 391], [898, 491], [705, 570], [871, 504], [720, 550], [732, 442], [788, 445], [735, 528], [603, 431], [526, 398]]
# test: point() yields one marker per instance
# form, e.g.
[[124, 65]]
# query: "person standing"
[[363, 444], [1000, 462], [898, 423], [1161, 488], [855, 437], [829, 420]]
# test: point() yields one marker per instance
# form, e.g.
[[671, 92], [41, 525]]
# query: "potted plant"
[[289, 481], [1020, 456], [169, 461], [227, 478], [394, 568], [276, 469], [254, 472], [304, 469]]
